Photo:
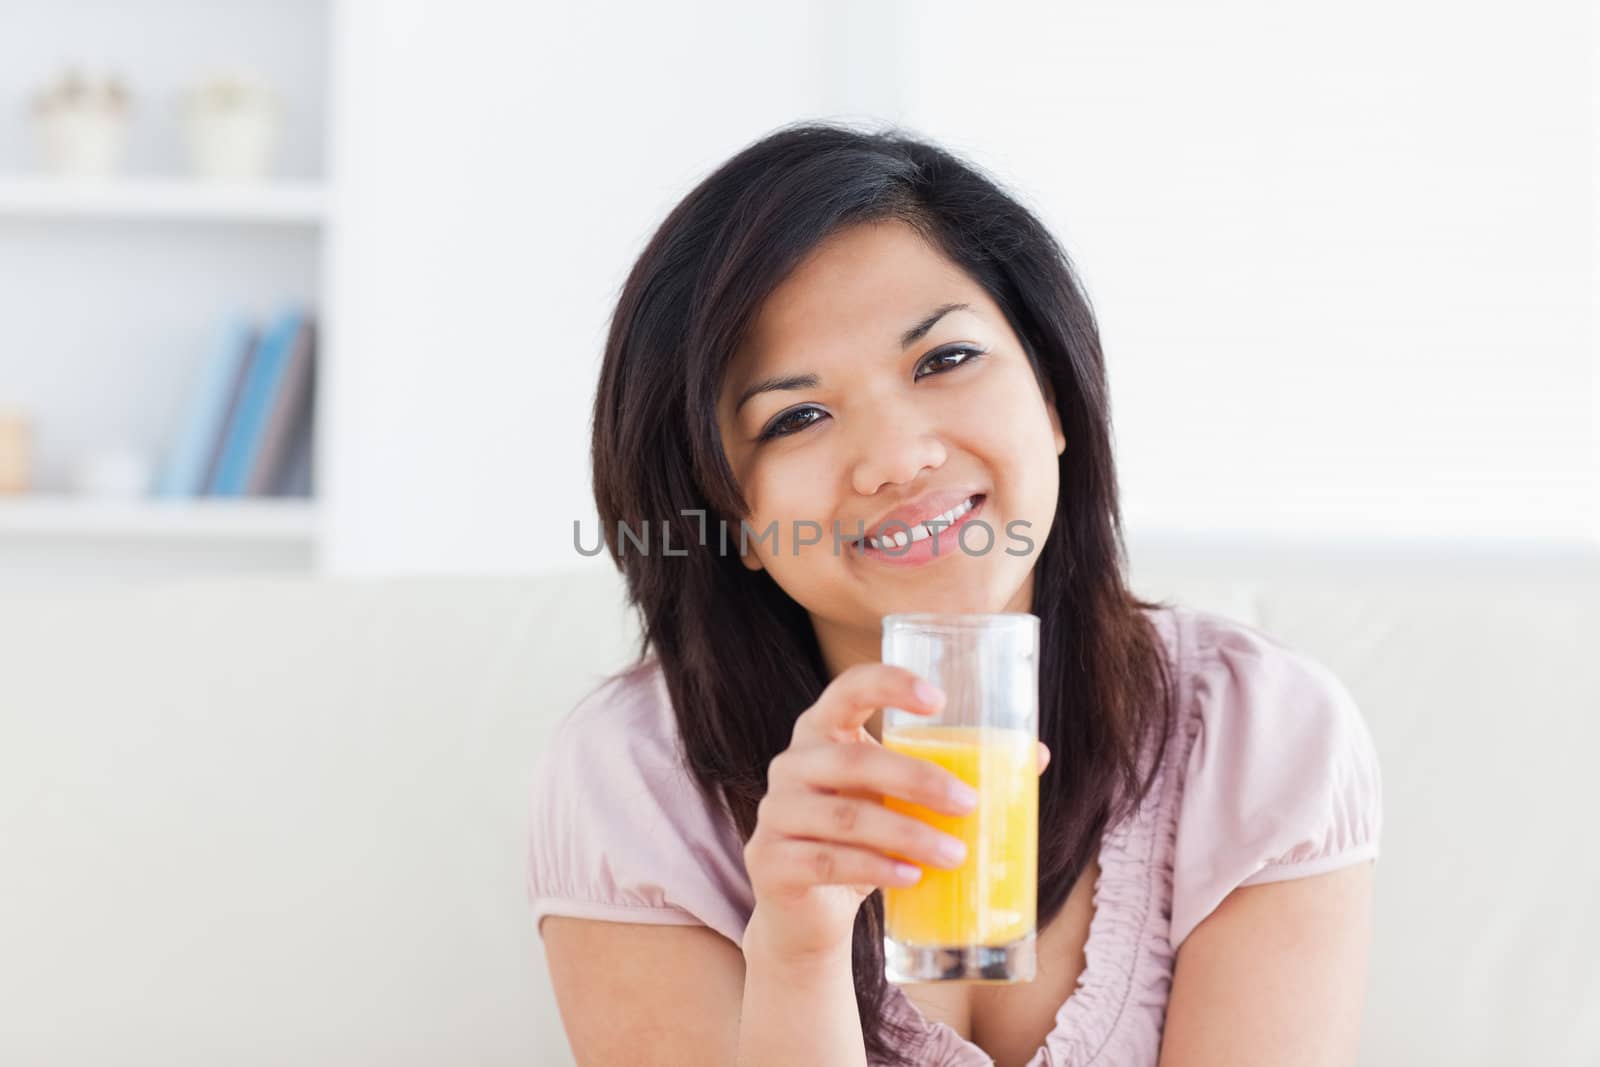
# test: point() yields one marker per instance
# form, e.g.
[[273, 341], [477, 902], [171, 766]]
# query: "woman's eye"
[[787, 423], [938, 359]]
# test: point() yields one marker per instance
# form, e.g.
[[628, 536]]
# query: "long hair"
[[740, 657]]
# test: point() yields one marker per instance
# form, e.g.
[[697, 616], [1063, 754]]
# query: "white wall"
[[499, 168], [1343, 262]]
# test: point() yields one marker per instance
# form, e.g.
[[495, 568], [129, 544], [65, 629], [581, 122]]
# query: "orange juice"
[[990, 898]]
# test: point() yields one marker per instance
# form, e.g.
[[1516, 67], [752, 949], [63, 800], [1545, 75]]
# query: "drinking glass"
[[976, 922]]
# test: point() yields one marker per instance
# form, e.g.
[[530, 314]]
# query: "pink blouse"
[[1270, 774]]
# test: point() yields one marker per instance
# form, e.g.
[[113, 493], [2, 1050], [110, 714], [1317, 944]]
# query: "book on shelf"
[[186, 468], [248, 425], [241, 374], [295, 478]]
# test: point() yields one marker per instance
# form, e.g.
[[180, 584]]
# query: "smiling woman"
[[871, 414], [861, 334]]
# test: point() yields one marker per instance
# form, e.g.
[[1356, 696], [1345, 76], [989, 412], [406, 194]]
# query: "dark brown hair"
[[740, 657]]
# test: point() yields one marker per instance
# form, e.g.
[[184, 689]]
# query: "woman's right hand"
[[823, 838]]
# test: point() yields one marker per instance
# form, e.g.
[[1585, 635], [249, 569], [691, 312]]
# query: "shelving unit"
[[286, 521], [158, 199], [117, 287]]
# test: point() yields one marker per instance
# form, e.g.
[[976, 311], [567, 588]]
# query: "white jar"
[[232, 129], [83, 142]]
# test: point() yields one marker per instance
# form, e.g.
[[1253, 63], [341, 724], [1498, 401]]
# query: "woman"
[[842, 333]]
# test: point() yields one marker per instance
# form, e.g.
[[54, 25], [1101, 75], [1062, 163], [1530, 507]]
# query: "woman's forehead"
[[861, 290]]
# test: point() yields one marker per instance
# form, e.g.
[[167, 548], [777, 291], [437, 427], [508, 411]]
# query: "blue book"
[[247, 432], [184, 469], [233, 408]]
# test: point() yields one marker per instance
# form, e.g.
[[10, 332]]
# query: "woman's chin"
[[966, 601], [979, 591]]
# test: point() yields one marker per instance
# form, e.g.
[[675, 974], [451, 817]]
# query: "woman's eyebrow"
[[786, 381], [920, 330], [811, 381]]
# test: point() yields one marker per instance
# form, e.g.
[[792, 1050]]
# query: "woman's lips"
[[930, 548]]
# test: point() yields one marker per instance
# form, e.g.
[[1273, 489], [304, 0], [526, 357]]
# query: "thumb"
[[1044, 756]]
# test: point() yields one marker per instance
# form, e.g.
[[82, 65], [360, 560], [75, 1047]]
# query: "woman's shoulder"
[[1279, 773], [619, 745], [628, 713], [1232, 674], [619, 827], [1249, 687]]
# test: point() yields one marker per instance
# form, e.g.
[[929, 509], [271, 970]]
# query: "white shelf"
[[278, 202], [263, 519]]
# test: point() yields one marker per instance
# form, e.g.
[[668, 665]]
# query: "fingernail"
[[952, 851], [963, 796], [926, 691], [907, 873]]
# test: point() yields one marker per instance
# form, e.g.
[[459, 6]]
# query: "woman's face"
[[900, 386]]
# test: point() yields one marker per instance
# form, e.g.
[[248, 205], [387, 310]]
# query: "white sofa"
[[271, 821]]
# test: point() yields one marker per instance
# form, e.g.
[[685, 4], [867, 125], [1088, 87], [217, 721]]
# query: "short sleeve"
[[618, 830], [1281, 779]]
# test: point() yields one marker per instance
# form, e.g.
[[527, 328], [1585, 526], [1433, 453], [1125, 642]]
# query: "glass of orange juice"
[[976, 922]]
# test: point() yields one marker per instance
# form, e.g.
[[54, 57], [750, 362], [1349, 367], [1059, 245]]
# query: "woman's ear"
[[747, 553], [1055, 418]]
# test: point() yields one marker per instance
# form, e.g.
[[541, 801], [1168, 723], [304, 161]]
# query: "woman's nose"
[[894, 450]]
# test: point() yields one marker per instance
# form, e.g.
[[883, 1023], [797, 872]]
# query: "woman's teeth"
[[900, 538]]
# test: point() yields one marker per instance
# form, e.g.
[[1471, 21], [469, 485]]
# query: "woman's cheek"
[[797, 480], [772, 498]]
